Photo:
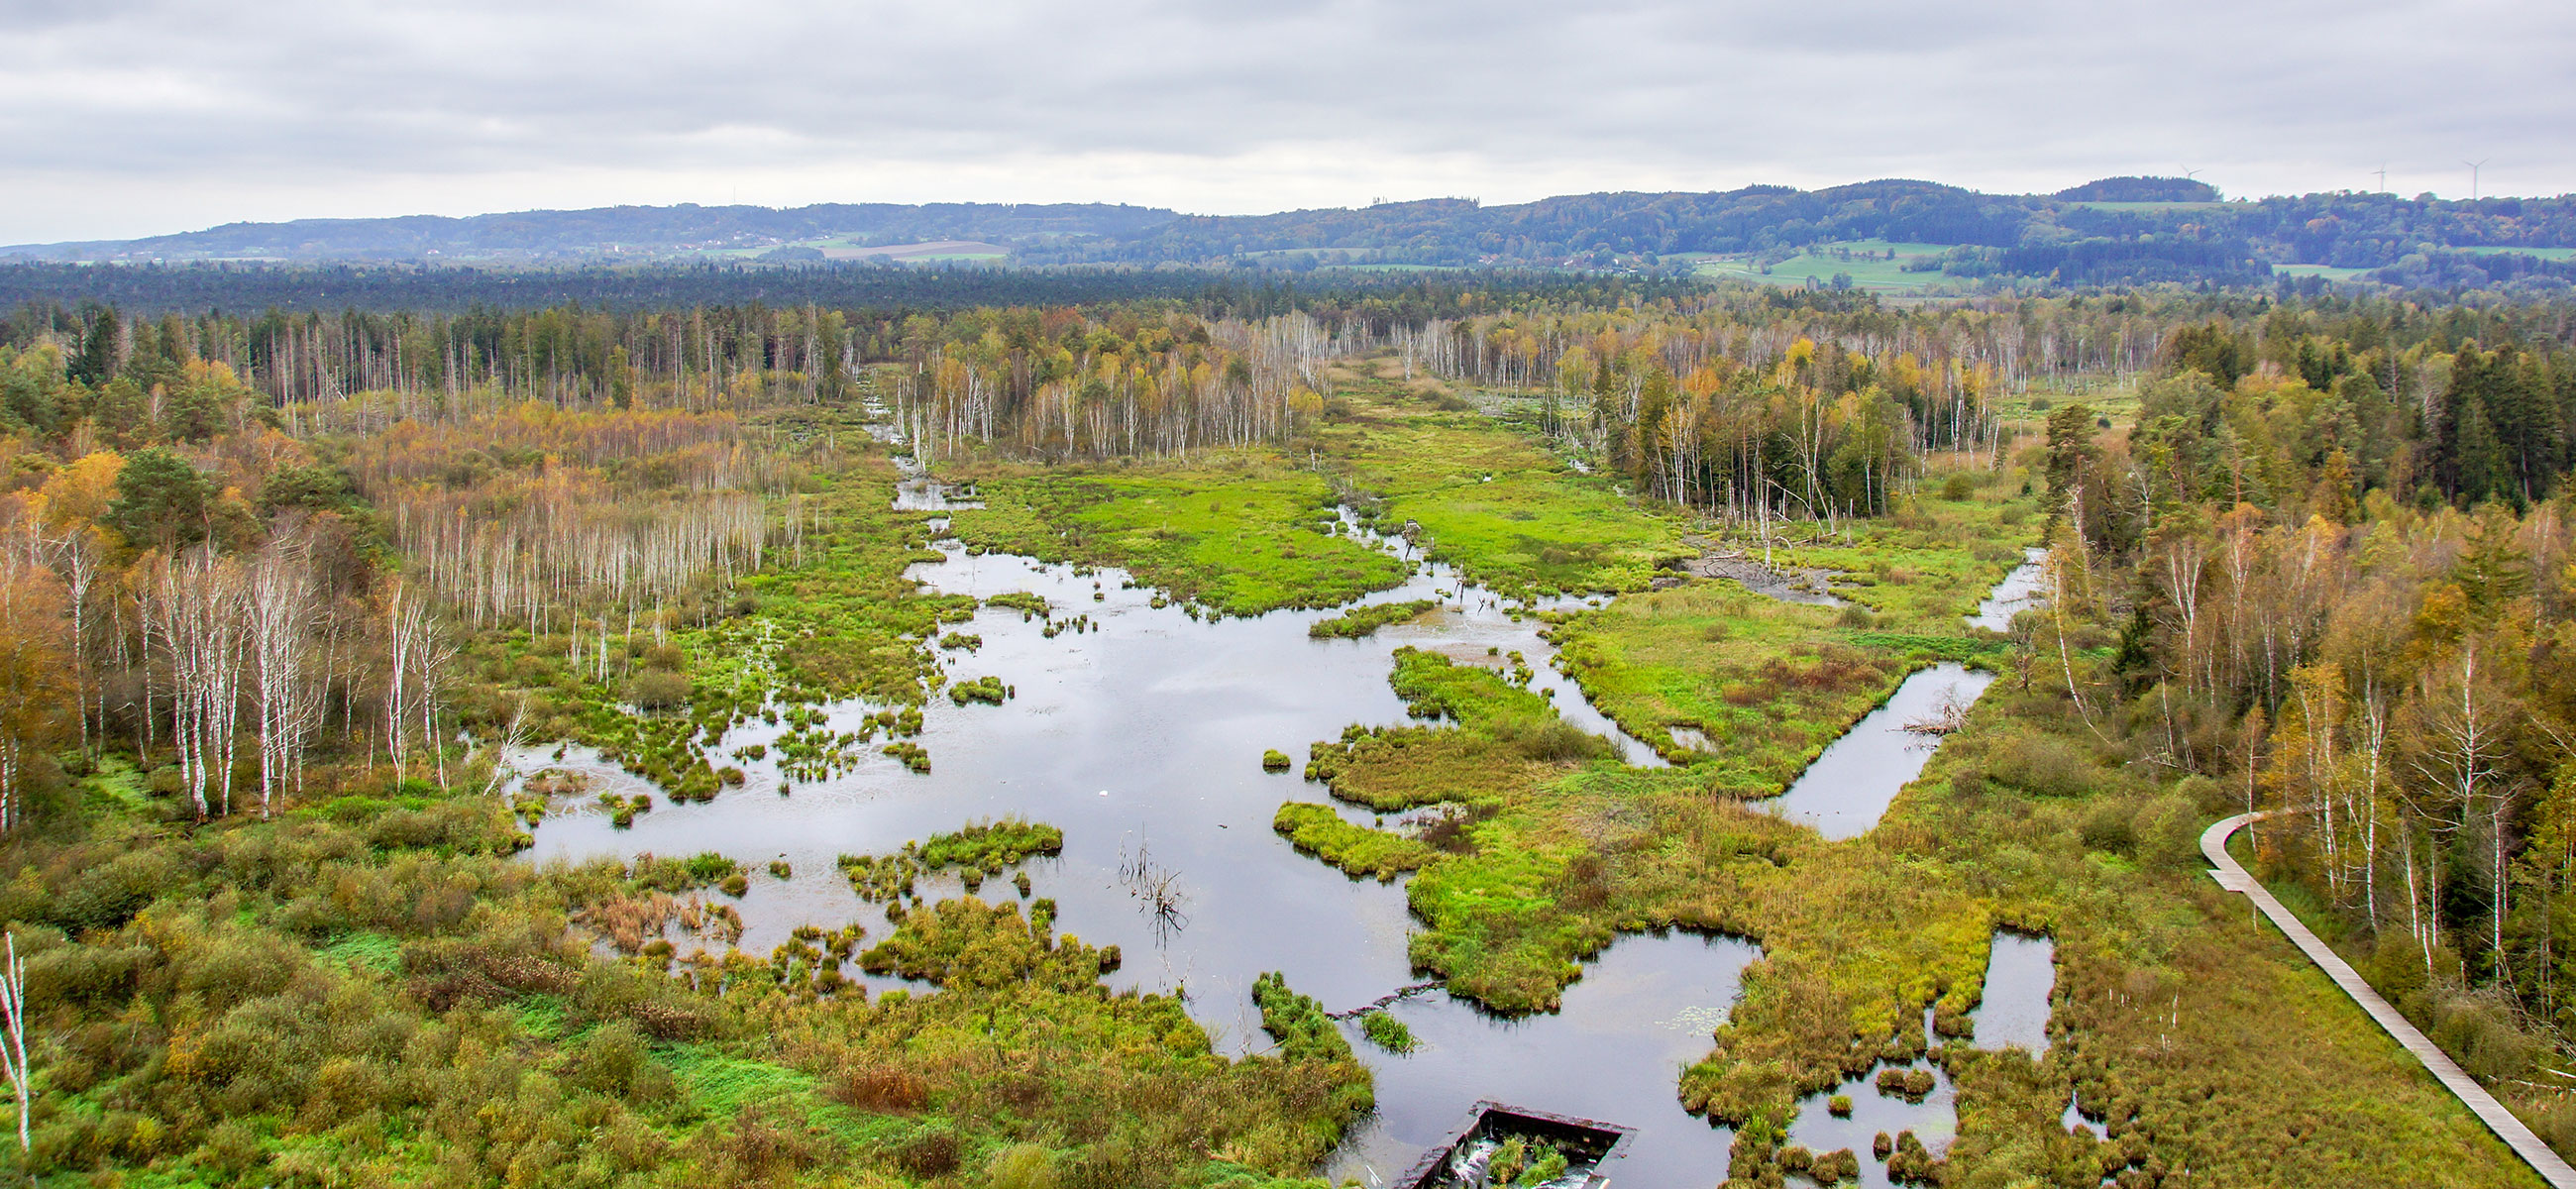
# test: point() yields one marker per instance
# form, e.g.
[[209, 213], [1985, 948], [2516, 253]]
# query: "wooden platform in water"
[[1591, 1143]]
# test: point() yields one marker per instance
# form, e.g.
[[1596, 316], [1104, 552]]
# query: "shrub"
[[1275, 760], [928, 1152], [2168, 832], [880, 1089], [735, 885], [1550, 739], [1839, 1106], [2109, 826], [2042, 765], [657, 689]]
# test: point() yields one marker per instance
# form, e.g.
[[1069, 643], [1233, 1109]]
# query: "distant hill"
[[608, 233], [2121, 230], [2140, 189]]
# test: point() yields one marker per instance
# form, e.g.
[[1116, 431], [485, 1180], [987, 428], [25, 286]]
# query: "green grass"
[[991, 844], [1318, 831], [1241, 535], [1387, 1032], [1492, 501]]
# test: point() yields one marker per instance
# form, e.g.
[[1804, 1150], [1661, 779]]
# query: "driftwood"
[[1384, 1002]]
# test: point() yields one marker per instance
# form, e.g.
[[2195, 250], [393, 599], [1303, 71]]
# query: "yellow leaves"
[[79, 493], [2444, 615]]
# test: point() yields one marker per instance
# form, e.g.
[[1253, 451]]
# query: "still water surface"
[[1141, 736]]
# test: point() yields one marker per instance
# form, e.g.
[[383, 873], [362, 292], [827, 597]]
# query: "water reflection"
[[1144, 731], [1640, 1014], [1850, 786], [2018, 592], [2021, 971]]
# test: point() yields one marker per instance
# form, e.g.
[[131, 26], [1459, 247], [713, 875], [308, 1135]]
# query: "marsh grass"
[[1366, 620], [1491, 501], [1237, 533], [1318, 831]]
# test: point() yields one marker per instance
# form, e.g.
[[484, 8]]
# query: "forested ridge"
[[278, 591], [2117, 231]]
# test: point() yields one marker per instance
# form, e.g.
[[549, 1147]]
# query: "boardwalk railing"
[[2233, 877]]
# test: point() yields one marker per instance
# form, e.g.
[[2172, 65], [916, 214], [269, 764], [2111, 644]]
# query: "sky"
[[121, 118]]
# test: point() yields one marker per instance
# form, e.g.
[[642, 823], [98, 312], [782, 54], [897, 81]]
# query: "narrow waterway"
[[2020, 591], [1850, 786]]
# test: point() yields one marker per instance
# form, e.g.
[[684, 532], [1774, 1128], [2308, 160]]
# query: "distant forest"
[[2115, 231]]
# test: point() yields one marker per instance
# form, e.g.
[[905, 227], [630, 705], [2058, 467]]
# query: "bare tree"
[[192, 611], [13, 1048], [279, 599]]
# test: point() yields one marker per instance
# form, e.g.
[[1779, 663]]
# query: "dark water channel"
[[1141, 735], [1850, 786]]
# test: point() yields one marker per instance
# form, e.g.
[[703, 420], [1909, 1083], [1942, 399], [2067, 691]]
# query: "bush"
[[1548, 739], [2168, 832], [2108, 826], [2042, 765], [1275, 760], [880, 1089], [658, 689]]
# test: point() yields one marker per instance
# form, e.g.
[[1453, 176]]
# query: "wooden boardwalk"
[[2233, 877]]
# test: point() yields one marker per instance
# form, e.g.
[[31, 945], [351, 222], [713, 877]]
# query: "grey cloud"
[[188, 93]]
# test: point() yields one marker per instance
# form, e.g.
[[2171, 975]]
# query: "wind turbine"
[[2382, 171], [2474, 166]]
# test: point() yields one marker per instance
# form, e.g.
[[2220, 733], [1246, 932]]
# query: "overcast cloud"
[[132, 117]]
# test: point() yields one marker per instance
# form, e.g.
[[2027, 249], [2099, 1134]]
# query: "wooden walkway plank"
[[2233, 877]]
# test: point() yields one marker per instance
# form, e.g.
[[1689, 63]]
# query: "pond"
[[2021, 973], [1642, 1011], [1140, 732]]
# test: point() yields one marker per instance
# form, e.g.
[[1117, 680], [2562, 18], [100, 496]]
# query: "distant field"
[[945, 249], [842, 247], [2152, 206], [2327, 271], [1866, 260], [2508, 250]]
